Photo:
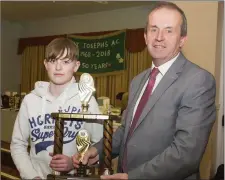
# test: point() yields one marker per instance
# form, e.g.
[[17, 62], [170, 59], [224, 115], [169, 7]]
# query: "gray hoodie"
[[34, 124]]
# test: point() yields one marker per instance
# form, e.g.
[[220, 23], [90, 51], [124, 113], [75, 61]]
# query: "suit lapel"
[[168, 79], [135, 95]]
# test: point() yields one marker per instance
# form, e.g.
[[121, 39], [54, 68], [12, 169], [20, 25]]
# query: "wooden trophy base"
[[82, 173], [92, 175], [72, 177]]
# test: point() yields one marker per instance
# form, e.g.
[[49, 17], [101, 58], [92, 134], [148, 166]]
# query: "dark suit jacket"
[[173, 130]]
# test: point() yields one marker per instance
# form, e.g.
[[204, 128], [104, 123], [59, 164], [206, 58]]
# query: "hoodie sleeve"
[[95, 129], [19, 144]]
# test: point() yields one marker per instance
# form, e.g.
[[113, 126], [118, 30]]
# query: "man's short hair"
[[56, 48], [170, 5]]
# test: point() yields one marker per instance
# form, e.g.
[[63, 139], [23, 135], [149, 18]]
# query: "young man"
[[170, 111], [34, 120]]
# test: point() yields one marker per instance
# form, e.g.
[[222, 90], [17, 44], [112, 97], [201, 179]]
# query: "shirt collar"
[[164, 67]]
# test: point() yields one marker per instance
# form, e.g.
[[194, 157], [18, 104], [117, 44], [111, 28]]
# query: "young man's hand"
[[61, 163], [90, 157]]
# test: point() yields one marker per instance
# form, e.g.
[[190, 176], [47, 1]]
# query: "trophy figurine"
[[86, 89], [83, 142]]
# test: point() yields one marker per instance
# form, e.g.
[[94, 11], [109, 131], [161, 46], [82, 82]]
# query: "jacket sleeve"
[[19, 144], [196, 116]]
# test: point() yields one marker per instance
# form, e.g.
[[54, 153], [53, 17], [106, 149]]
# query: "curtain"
[[32, 67]]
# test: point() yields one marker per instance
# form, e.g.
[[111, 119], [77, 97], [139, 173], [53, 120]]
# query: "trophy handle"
[[58, 140], [107, 147]]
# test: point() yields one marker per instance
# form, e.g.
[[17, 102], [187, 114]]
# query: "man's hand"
[[90, 157], [61, 163], [115, 176], [116, 126]]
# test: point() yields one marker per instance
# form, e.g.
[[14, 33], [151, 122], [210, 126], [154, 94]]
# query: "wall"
[[202, 30], [10, 61], [218, 151], [101, 21]]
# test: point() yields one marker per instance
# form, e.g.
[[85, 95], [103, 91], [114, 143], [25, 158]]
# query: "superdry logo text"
[[42, 129]]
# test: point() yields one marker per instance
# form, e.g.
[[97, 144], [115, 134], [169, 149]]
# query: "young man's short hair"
[[56, 48]]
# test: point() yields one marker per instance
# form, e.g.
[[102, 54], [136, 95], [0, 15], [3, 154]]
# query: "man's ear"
[[77, 65], [182, 41]]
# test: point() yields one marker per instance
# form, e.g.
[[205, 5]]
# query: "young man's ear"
[[45, 63], [77, 65], [145, 37]]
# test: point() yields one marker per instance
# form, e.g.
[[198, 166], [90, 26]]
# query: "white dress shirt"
[[162, 71]]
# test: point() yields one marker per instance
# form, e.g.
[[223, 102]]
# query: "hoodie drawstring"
[[43, 106]]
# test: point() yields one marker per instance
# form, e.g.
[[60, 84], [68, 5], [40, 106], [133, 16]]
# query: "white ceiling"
[[39, 10]]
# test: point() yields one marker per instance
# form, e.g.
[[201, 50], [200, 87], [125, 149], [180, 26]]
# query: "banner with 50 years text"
[[101, 54]]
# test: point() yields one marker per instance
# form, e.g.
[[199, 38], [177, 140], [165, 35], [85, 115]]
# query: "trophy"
[[6, 100], [83, 143], [16, 101], [86, 89], [11, 101]]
